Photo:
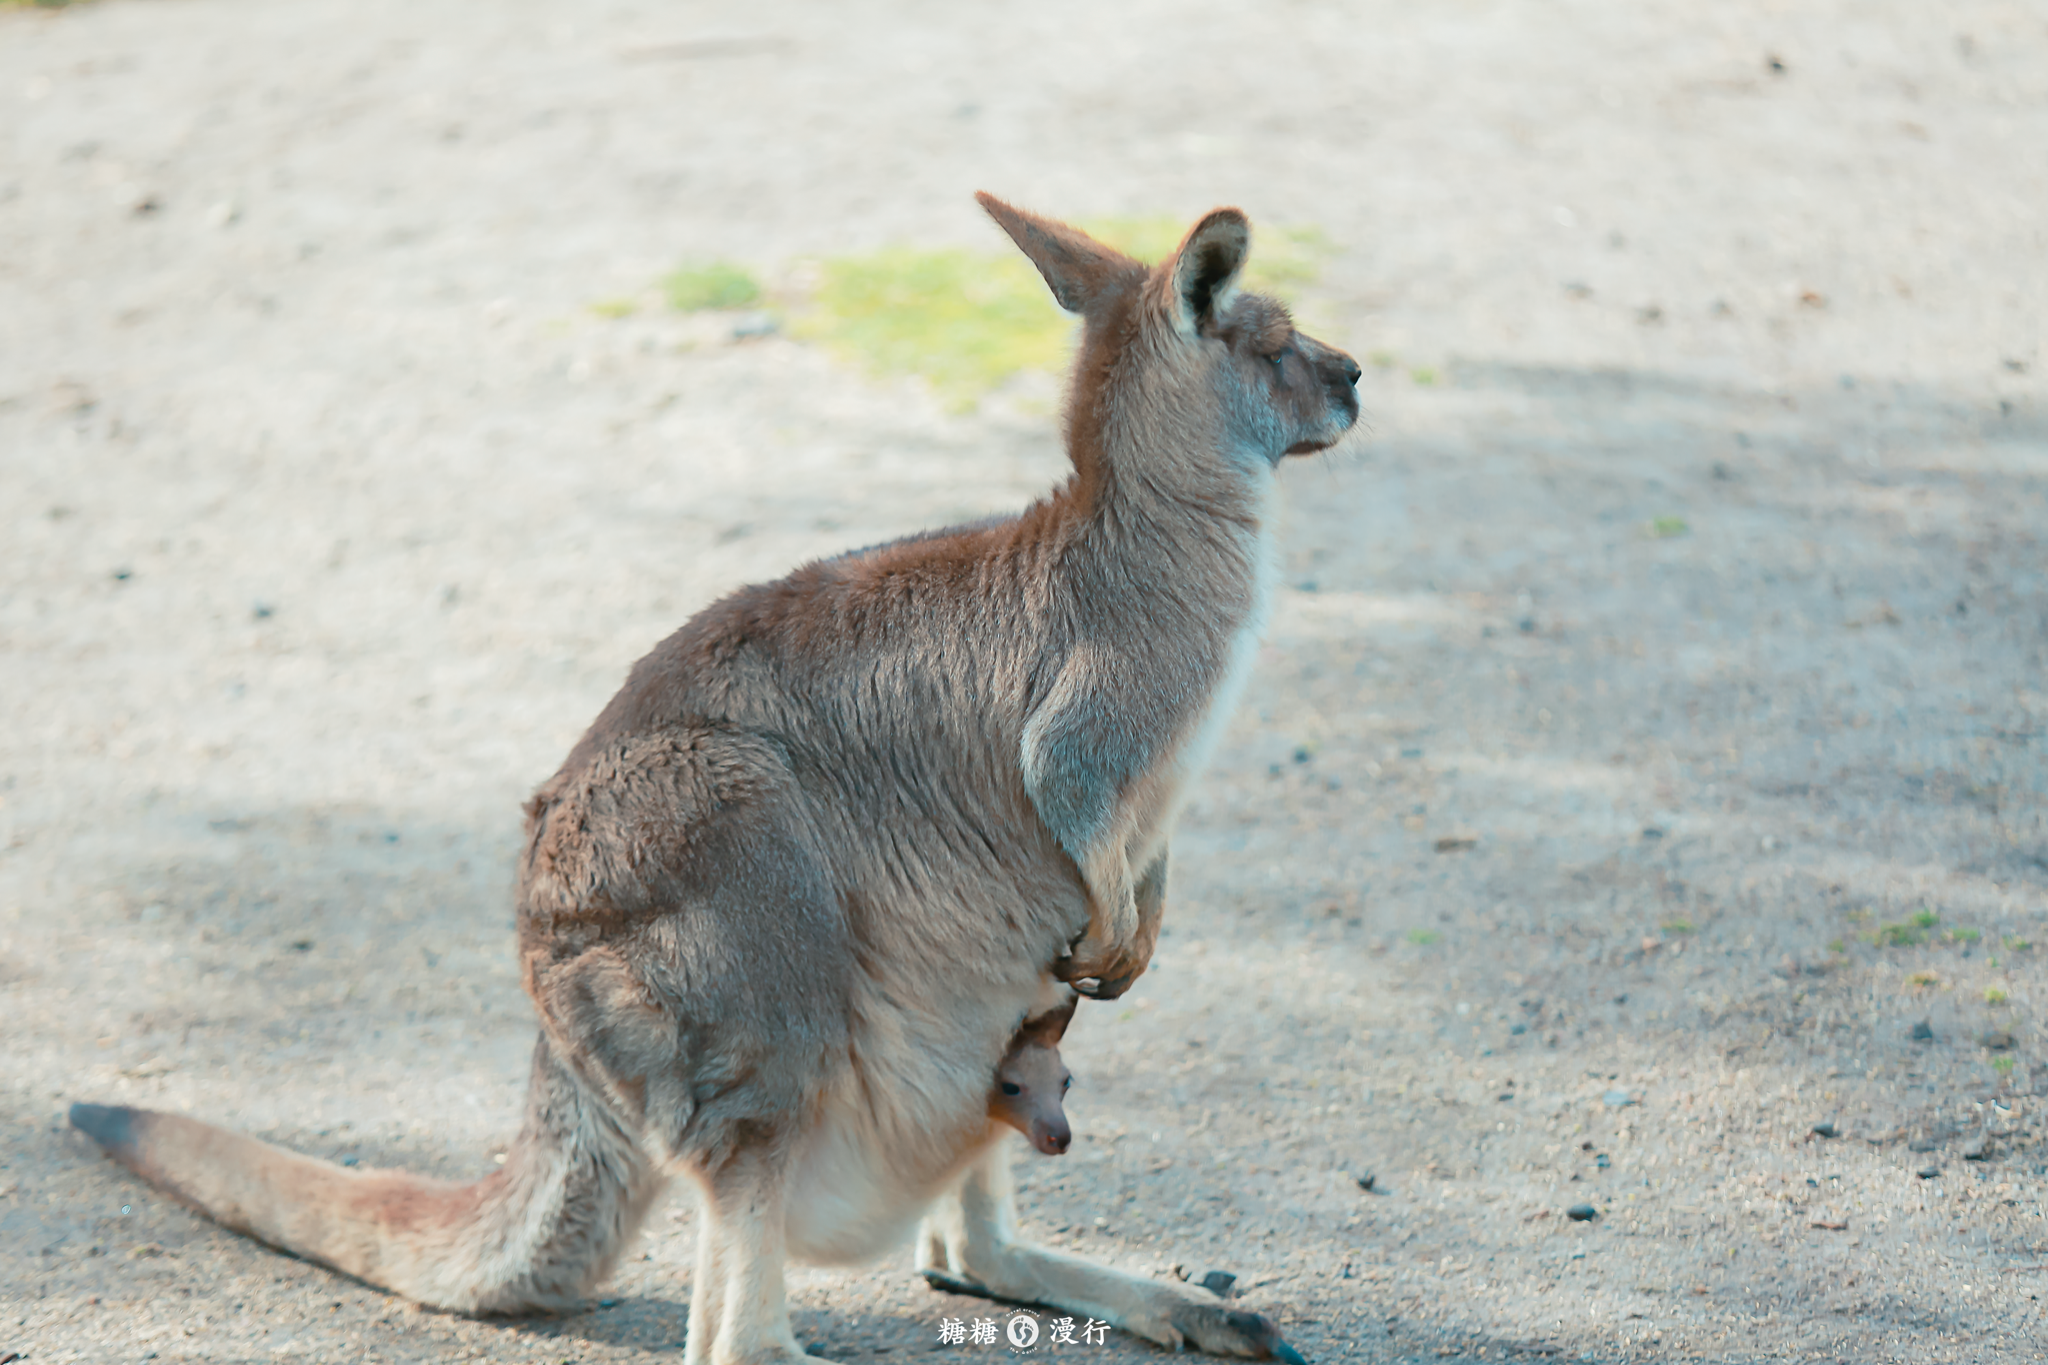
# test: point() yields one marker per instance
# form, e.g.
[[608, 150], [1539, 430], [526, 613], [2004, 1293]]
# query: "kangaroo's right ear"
[[1078, 268], [1206, 267]]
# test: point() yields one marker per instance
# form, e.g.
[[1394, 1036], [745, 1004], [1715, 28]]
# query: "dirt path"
[[1651, 735]]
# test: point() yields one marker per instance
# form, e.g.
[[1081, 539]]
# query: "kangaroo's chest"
[[1202, 731]]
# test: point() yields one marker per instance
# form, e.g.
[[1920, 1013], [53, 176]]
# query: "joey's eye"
[[1066, 1085], [1012, 1088]]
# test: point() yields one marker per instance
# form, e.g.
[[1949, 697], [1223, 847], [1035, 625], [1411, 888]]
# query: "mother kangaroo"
[[782, 909]]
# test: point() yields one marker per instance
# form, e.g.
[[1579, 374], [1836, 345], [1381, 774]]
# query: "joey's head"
[[1031, 1083], [1182, 373]]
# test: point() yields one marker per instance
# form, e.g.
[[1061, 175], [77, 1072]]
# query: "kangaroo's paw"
[[1102, 971]]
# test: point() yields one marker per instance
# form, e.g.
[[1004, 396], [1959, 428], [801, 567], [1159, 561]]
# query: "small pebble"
[[350, 1160], [1929, 1172], [1221, 1283], [1582, 1213], [1366, 1181], [1977, 1148], [1617, 1099], [1826, 1130], [1998, 1040], [1652, 832], [1923, 1032], [1602, 1161]]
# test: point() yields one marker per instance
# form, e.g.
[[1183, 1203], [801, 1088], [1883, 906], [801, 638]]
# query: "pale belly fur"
[[899, 1127]]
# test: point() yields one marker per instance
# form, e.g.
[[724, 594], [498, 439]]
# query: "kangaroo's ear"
[[1051, 1026], [1206, 267], [1078, 268]]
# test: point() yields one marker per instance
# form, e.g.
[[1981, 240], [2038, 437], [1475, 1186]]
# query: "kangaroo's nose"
[[1351, 370]]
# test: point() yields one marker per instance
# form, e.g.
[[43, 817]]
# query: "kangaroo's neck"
[[1195, 524]]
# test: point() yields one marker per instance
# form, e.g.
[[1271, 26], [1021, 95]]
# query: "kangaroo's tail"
[[537, 1233]]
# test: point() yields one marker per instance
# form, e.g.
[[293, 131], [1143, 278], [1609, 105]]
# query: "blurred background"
[[1639, 805]]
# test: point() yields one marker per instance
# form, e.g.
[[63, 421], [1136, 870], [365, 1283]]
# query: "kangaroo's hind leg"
[[739, 1313], [969, 1245]]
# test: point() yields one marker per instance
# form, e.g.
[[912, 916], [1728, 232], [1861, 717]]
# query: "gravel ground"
[[1650, 738]]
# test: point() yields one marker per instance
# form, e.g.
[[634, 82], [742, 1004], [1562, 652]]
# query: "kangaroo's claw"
[[1104, 988], [1277, 1347]]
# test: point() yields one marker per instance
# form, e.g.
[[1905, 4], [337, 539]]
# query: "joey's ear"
[[1050, 1027], [1206, 267], [1078, 268]]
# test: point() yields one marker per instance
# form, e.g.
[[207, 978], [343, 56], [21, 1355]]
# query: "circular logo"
[[1022, 1331]]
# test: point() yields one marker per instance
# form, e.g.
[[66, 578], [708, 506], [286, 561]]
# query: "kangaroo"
[[786, 904], [1032, 1081]]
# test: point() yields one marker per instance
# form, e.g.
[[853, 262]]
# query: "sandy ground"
[[1679, 624]]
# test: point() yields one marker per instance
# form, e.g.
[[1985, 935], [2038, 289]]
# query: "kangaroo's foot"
[[969, 1246]]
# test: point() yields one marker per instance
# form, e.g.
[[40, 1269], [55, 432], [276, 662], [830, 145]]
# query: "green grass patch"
[[701, 288], [2003, 1065], [1993, 995], [966, 321], [1924, 918], [2015, 944], [1664, 528], [1422, 938], [1962, 935], [611, 310], [1676, 926]]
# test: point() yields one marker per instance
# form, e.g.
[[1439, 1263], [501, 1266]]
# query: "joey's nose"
[[1351, 370], [1054, 1141]]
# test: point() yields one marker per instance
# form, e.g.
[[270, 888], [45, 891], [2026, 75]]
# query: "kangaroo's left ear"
[[1206, 267]]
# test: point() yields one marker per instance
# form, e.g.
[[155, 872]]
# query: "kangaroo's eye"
[[1066, 1085], [1012, 1088]]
